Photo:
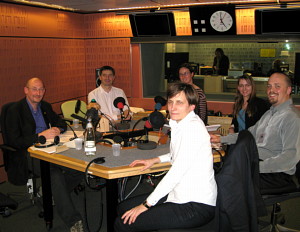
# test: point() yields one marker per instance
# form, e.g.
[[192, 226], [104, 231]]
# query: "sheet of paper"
[[213, 127], [65, 137]]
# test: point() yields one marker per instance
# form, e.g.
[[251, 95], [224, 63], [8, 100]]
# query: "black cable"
[[98, 160], [85, 212]]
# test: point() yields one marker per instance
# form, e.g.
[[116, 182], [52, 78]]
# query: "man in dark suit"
[[26, 121]]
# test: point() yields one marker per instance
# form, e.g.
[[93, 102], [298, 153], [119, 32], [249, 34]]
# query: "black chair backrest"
[[3, 125], [298, 172]]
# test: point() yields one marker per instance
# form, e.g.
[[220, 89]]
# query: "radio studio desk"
[[114, 167]]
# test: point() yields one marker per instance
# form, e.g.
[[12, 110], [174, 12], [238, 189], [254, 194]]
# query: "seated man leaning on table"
[[177, 202], [277, 136], [106, 93], [28, 119]]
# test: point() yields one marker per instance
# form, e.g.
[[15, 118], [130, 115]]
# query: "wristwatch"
[[146, 205]]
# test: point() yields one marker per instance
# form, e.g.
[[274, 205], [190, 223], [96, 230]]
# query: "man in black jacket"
[[26, 121]]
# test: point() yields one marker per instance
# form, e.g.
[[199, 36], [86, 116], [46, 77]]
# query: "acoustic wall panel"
[[182, 23], [245, 21], [112, 52], [29, 21], [106, 25], [59, 62]]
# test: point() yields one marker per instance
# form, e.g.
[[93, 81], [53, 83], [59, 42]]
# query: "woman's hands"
[[148, 163], [131, 215]]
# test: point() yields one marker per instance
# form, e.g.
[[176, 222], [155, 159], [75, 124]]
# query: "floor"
[[26, 217]]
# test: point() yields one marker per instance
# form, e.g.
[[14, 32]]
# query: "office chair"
[[7, 151], [275, 199], [238, 199], [73, 107]]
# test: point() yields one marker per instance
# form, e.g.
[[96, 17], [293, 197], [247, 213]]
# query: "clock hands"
[[221, 19]]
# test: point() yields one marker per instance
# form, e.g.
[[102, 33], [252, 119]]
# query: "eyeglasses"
[[36, 90], [184, 74]]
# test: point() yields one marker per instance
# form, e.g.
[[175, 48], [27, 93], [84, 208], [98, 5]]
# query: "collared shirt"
[[38, 118], [106, 99], [277, 136], [191, 177], [241, 119]]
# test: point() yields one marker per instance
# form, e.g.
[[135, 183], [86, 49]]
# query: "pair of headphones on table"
[[42, 140]]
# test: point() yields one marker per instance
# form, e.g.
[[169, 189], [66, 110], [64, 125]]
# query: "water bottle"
[[89, 139]]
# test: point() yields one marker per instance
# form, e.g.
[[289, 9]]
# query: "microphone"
[[77, 106], [75, 135], [93, 114], [119, 103], [160, 102], [81, 119], [155, 120]]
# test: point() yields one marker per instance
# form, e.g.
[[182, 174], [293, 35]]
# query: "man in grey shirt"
[[277, 136]]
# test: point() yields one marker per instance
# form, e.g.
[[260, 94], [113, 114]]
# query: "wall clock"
[[213, 20], [221, 21]]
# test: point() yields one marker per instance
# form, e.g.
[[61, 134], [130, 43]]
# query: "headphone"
[[42, 140]]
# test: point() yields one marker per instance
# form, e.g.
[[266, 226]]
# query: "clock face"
[[221, 21]]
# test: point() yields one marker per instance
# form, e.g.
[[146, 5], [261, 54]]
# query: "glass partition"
[[257, 58]]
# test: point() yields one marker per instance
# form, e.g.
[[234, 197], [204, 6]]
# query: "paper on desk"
[[52, 149], [49, 150], [65, 137], [213, 127]]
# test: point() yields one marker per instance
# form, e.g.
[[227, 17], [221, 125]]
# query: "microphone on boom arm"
[[119, 103], [154, 121], [159, 102], [95, 120], [75, 135], [78, 107]]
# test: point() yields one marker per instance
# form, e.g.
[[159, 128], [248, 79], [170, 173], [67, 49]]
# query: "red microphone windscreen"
[[148, 124], [120, 105]]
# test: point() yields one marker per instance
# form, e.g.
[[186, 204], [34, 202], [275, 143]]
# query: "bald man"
[[277, 136], [28, 119]]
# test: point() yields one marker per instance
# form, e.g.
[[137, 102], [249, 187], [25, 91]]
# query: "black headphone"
[[42, 140]]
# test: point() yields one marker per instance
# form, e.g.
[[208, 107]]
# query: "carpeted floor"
[[26, 217]]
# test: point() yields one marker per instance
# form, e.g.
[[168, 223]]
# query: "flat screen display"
[[152, 24], [277, 21]]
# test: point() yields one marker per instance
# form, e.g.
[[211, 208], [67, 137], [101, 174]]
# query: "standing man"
[[277, 136], [186, 196], [221, 63], [28, 119], [106, 93]]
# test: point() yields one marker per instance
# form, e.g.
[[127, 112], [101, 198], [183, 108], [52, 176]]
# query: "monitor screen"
[[153, 24], [277, 21]]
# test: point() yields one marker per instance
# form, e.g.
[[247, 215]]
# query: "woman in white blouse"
[[186, 196]]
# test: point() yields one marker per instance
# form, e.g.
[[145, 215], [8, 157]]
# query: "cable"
[[134, 188], [98, 160], [110, 119], [85, 212]]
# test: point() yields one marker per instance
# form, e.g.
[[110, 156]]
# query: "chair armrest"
[[6, 147]]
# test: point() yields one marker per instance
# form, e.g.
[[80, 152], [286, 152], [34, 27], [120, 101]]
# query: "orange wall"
[[61, 48], [64, 49]]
